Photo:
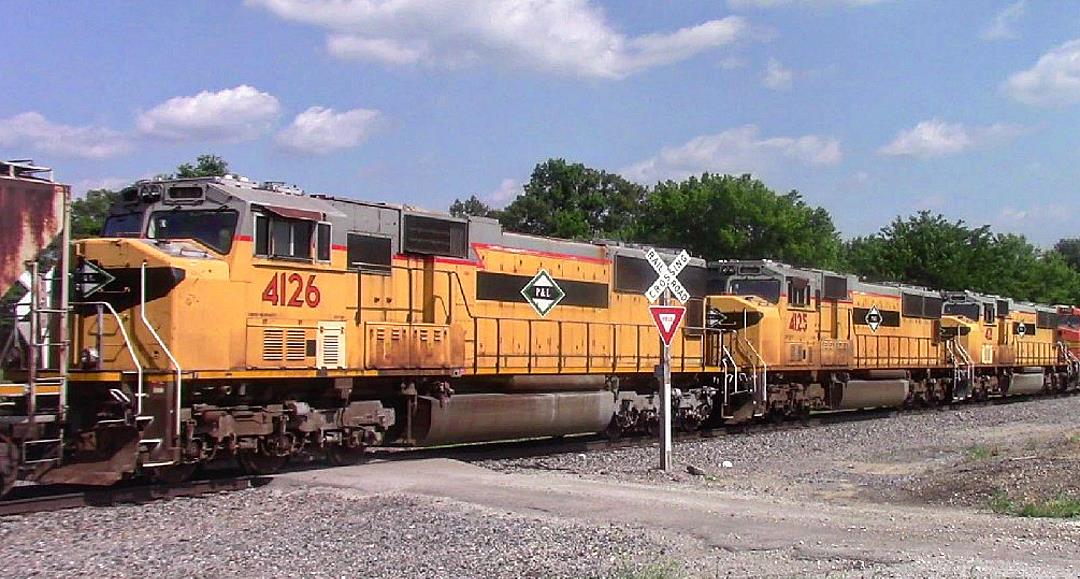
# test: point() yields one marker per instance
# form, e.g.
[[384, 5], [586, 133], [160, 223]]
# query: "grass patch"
[[980, 452], [1062, 507]]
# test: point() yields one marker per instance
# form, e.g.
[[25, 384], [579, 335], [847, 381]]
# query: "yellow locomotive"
[[804, 340], [219, 318], [254, 320]]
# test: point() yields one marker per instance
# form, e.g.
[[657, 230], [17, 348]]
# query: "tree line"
[[739, 217]]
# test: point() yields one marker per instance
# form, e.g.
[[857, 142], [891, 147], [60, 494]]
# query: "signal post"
[[667, 318]]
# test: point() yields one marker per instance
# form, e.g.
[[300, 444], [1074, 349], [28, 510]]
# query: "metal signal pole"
[[664, 374]]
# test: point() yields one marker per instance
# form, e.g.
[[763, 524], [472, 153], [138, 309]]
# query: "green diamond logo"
[[542, 293]]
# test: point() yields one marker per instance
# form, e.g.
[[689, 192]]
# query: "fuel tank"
[[874, 393], [1027, 382], [484, 417]]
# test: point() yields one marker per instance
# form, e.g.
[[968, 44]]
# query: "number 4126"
[[301, 292]]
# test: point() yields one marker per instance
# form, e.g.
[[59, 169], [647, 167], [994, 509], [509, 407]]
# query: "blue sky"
[[870, 108]]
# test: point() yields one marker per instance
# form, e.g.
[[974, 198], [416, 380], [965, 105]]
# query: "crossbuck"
[[668, 276]]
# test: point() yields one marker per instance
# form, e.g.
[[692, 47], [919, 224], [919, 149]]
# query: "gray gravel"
[[869, 459], [312, 533], [321, 531]]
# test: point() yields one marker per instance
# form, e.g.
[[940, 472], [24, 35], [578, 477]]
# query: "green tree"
[[88, 214], [204, 166], [928, 249], [472, 206], [729, 217], [572, 201], [1069, 249]]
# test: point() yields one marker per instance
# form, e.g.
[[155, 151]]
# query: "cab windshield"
[[766, 289], [123, 225], [1071, 321], [214, 229]]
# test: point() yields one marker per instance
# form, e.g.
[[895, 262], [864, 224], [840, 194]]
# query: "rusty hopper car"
[[798, 340], [33, 213], [253, 320]]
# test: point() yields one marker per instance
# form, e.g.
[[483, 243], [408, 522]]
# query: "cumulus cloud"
[[80, 187], [320, 130], [507, 190], [1053, 81], [31, 130], [776, 77], [231, 115], [937, 138], [1003, 25], [570, 37], [738, 150], [736, 4]]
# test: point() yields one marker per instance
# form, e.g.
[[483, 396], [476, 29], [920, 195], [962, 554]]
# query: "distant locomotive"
[[223, 318]]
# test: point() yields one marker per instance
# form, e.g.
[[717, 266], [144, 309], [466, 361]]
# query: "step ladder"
[[963, 371], [742, 380], [34, 408]]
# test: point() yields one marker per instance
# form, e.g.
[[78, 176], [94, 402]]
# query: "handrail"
[[164, 348], [764, 371], [127, 344]]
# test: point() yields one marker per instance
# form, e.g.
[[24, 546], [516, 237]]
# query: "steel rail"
[[136, 494]]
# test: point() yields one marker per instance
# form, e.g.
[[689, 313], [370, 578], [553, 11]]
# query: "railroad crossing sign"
[[667, 320], [89, 278], [669, 276], [873, 318], [542, 293]]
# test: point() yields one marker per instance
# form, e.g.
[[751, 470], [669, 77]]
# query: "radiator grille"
[[295, 345], [273, 344]]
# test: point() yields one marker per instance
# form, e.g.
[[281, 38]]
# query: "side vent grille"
[[331, 347], [273, 344], [295, 345]]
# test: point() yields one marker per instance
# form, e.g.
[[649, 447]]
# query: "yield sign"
[[668, 276], [667, 320], [89, 278]]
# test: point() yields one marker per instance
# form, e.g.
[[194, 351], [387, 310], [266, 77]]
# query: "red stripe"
[[242, 238], [339, 247], [537, 253]]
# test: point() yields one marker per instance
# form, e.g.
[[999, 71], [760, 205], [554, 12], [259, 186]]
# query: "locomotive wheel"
[[338, 455], [175, 474], [256, 463], [614, 430]]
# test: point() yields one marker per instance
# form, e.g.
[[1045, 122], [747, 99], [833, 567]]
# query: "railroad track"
[[34, 499]]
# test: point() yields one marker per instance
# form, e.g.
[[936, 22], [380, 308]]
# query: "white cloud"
[[736, 4], [776, 77], [1053, 81], [570, 37], [507, 190], [320, 130], [230, 115], [936, 138], [79, 188], [1002, 27], [738, 150], [31, 130]]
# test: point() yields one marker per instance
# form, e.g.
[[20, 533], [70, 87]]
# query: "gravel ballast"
[[879, 459], [319, 532]]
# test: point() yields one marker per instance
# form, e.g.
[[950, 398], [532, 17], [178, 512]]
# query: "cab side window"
[[284, 238], [798, 290]]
